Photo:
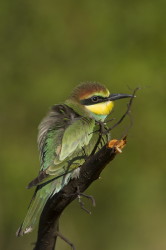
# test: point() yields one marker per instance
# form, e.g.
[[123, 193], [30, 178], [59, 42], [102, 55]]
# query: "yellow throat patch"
[[102, 108]]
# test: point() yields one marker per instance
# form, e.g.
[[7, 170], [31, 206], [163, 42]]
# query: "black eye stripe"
[[92, 100]]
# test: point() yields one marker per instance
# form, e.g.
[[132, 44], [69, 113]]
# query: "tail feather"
[[38, 202], [34, 211]]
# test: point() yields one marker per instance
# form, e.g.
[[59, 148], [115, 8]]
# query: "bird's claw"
[[82, 205]]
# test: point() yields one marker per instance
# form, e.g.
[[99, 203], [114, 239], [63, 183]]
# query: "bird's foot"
[[79, 195], [82, 205], [57, 233]]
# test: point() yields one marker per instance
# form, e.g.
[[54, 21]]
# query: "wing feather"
[[62, 134], [76, 136]]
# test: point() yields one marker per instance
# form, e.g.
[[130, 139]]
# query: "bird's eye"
[[95, 98]]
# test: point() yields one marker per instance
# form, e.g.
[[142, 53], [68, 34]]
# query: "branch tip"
[[118, 145]]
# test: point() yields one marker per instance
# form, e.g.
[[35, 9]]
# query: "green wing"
[[74, 138], [62, 135]]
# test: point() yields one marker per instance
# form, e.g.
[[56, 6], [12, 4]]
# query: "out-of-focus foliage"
[[48, 47]]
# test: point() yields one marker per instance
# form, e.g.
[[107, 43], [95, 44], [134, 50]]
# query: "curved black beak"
[[114, 97]]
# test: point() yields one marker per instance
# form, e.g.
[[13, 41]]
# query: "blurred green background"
[[47, 48]]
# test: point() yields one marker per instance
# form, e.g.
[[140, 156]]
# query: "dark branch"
[[49, 220]]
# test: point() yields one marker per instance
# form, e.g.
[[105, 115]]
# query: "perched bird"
[[67, 135]]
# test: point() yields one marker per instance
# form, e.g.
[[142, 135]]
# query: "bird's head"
[[96, 99]]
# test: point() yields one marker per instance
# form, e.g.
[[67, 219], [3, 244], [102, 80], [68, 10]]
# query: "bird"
[[66, 137]]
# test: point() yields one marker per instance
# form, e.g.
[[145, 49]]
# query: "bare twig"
[[127, 111], [100, 131]]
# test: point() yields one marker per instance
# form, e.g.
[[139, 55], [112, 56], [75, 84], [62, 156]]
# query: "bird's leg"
[[57, 233], [82, 205], [78, 194]]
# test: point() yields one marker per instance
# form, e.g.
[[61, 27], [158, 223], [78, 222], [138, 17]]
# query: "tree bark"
[[90, 171]]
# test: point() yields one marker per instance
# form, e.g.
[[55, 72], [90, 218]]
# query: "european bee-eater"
[[67, 135]]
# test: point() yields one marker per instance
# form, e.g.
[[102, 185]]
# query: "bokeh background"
[[47, 48]]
